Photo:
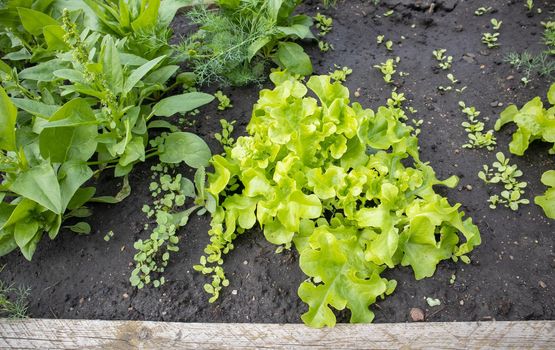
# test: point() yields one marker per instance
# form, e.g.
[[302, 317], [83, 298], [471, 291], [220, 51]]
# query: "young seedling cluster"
[[223, 101], [475, 130], [506, 174], [483, 10], [490, 39], [388, 69], [169, 214], [324, 24], [340, 74], [380, 39], [224, 138], [444, 61]]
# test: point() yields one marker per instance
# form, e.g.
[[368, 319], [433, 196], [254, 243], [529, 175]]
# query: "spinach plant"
[[75, 102]]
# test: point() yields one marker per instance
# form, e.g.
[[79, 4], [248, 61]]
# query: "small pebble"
[[510, 77], [234, 292], [469, 187], [542, 284], [245, 262], [461, 302], [416, 314], [125, 295]]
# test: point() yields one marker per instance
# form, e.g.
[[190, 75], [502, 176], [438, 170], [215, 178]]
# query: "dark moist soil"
[[511, 274]]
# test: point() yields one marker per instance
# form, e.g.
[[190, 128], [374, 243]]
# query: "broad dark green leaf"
[[148, 18], [185, 147], [24, 231], [35, 107], [292, 57], [34, 21], [121, 195], [135, 150], [111, 64], [40, 184], [74, 113], [54, 37], [8, 116], [68, 143], [81, 228], [72, 175], [43, 71], [181, 103], [30, 248], [22, 211], [81, 196], [161, 75], [139, 73]]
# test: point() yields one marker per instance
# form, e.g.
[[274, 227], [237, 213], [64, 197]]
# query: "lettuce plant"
[[534, 122], [343, 184]]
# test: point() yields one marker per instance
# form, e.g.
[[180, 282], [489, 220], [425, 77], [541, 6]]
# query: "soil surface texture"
[[511, 276]]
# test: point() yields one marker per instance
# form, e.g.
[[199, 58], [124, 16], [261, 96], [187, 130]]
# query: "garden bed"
[[510, 276]]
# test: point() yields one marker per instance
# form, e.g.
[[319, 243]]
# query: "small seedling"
[[483, 10], [452, 78], [323, 23], [396, 100], [109, 235], [490, 39], [324, 46], [433, 302], [224, 101], [506, 174], [475, 130], [380, 39], [445, 62], [529, 5], [388, 13], [225, 138], [496, 25], [389, 45], [387, 68], [340, 74], [525, 81]]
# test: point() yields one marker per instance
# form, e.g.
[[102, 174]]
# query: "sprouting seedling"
[[490, 39], [387, 68], [224, 101], [388, 13], [496, 25], [483, 10], [380, 39], [529, 5], [445, 88], [224, 138], [324, 46], [525, 81], [109, 235], [445, 61], [323, 23], [389, 45], [340, 74], [474, 128], [396, 100], [502, 172], [452, 78]]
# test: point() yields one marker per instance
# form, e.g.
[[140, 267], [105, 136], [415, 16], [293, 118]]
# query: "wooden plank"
[[93, 334]]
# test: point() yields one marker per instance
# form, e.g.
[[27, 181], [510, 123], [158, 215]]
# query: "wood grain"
[[94, 334]]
